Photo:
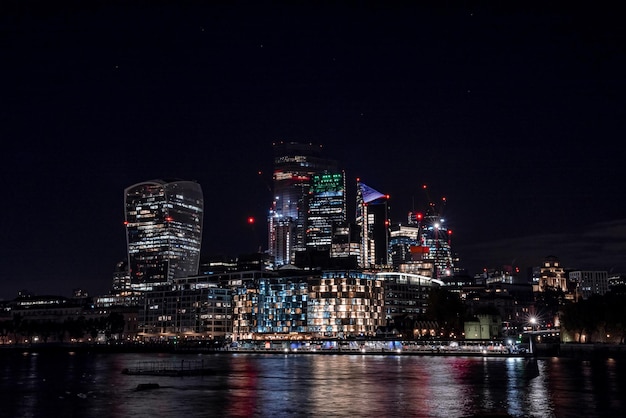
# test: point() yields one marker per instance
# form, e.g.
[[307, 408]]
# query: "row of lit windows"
[[271, 320], [279, 309], [346, 328], [335, 299], [315, 315], [344, 307], [345, 301], [333, 309], [279, 329], [371, 321], [345, 295], [342, 288]]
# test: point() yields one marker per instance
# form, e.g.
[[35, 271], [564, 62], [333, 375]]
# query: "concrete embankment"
[[592, 350], [573, 350]]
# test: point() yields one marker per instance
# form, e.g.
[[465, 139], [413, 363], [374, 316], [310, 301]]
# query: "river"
[[299, 385]]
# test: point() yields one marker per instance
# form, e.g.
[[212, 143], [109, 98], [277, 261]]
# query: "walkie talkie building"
[[163, 231]]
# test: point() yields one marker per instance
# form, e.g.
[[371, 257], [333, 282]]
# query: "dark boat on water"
[[148, 386]]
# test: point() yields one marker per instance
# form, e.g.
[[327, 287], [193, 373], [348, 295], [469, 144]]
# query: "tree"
[[75, 328], [616, 314], [16, 325], [6, 328], [447, 309], [572, 318], [595, 315], [115, 324], [550, 302]]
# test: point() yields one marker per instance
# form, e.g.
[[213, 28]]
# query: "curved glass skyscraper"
[[163, 231]]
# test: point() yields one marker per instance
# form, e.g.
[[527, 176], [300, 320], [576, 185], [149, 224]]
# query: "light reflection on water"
[[244, 385]]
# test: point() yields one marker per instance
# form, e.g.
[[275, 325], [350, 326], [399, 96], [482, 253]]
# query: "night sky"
[[515, 114]]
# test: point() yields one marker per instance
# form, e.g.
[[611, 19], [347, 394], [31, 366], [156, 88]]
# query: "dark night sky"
[[515, 114]]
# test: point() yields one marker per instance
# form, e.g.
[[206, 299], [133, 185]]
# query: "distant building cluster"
[[325, 273]]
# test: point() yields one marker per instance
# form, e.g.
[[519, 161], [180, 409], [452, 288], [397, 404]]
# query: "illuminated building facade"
[[294, 166], [406, 294], [402, 238], [552, 275], [346, 244], [372, 219], [275, 306], [327, 209], [435, 241], [163, 231], [244, 288], [192, 308], [423, 245], [245, 313], [483, 327], [282, 306], [330, 304], [121, 279], [406, 252], [617, 284], [345, 303], [590, 282]]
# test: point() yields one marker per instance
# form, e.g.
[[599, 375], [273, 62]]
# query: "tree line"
[[598, 318], [19, 327]]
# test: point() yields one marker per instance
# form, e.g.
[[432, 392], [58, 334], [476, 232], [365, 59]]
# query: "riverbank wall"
[[566, 350], [592, 350]]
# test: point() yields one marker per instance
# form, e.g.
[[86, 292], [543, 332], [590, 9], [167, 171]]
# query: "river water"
[[301, 385]]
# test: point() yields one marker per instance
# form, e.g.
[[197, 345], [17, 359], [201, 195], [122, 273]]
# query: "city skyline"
[[510, 113]]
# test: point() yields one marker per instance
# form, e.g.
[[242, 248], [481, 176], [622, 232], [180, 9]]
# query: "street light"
[[533, 321]]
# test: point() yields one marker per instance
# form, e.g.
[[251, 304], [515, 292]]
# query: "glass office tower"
[[163, 231], [372, 219], [434, 247], [327, 209], [294, 166]]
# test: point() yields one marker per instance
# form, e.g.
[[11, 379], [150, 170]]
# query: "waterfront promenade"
[[377, 347], [369, 347], [338, 348]]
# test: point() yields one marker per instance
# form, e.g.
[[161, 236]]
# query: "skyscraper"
[[434, 241], [327, 209], [423, 245], [163, 231], [294, 166], [372, 219]]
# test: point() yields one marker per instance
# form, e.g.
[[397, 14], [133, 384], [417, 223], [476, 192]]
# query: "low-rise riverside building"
[[406, 293], [483, 327], [329, 304], [190, 308], [272, 307], [345, 303], [31, 319], [284, 305]]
